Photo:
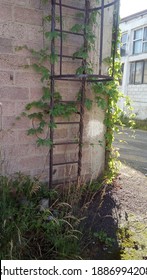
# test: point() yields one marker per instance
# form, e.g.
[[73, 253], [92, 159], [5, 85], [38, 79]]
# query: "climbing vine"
[[106, 94]]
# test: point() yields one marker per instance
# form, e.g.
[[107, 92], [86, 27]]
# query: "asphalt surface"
[[132, 147]]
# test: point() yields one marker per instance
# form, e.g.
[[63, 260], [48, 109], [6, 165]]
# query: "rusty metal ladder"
[[81, 103], [84, 78]]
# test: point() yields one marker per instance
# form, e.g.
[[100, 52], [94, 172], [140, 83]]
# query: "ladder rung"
[[64, 163], [70, 7], [70, 101], [66, 143], [67, 123], [70, 56], [69, 32]]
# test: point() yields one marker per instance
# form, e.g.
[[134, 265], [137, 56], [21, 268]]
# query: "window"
[[145, 74], [140, 41], [121, 74], [138, 72], [123, 44], [132, 73]]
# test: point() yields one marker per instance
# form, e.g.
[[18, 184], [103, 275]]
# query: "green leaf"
[[36, 116], [93, 17], [100, 143], [46, 93], [52, 35], [52, 125], [19, 48], [80, 15], [53, 58], [64, 110], [42, 124], [45, 74], [24, 114], [47, 18], [77, 28], [42, 70], [35, 104], [80, 70], [101, 103], [57, 96], [18, 118], [88, 103], [44, 1], [37, 68], [44, 142], [28, 106], [31, 131], [81, 53]]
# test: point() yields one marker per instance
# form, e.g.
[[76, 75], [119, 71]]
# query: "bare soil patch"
[[117, 217]]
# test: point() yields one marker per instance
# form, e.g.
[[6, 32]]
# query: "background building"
[[134, 61]]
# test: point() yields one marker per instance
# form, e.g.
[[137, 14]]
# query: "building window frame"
[[121, 74], [141, 41], [142, 74], [123, 48]]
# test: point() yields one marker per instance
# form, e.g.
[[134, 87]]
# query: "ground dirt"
[[117, 217]]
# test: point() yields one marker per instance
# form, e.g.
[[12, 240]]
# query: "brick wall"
[[138, 95], [21, 24]]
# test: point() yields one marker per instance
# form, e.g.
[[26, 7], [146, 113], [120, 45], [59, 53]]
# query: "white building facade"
[[134, 61]]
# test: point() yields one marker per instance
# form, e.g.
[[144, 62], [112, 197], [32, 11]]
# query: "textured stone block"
[[8, 108], [21, 2], [60, 133], [23, 138], [65, 148], [28, 16], [15, 31], [35, 93], [6, 78], [34, 33], [20, 107], [37, 4], [6, 45], [10, 122], [14, 93], [5, 13], [27, 79], [7, 137], [35, 162], [16, 150], [13, 62]]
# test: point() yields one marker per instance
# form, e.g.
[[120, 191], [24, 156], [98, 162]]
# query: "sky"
[[129, 7]]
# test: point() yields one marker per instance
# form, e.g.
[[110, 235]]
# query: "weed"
[[41, 224], [132, 238], [104, 239], [136, 123], [27, 232]]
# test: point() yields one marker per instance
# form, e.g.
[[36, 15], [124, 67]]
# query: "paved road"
[[133, 149]]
